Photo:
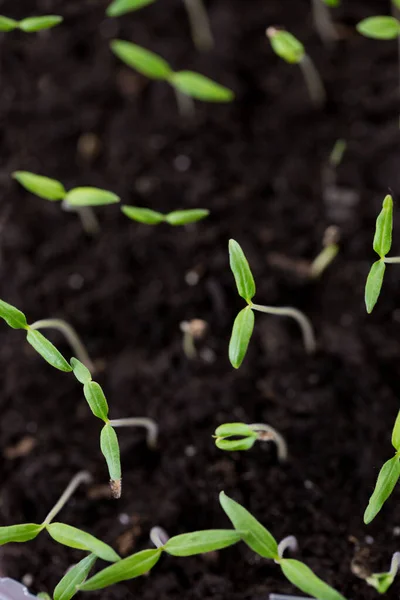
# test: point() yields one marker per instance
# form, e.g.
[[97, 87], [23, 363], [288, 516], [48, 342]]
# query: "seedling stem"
[[323, 22], [149, 424], [185, 104], [313, 81], [267, 433], [81, 477], [158, 536], [200, 25], [288, 543]]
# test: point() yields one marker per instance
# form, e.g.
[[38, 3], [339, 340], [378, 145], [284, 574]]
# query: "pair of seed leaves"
[[122, 7], [93, 392], [381, 244], [387, 478], [151, 65], [30, 24], [53, 190], [246, 528], [380, 27], [244, 437]]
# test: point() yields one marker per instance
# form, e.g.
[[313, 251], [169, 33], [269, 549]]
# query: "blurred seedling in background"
[[192, 331], [176, 217], [387, 478], [239, 436], [330, 249], [323, 21], [244, 322], [186, 84], [30, 24], [79, 200], [380, 27], [291, 50], [382, 581], [382, 244], [198, 18]]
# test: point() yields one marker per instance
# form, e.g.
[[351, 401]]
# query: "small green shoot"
[[328, 253], [382, 244], [387, 478], [186, 83], [380, 28], [244, 322], [290, 49], [239, 436], [30, 24], [382, 581], [123, 7], [175, 218]]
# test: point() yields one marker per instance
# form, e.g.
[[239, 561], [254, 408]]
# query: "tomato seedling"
[[176, 217], [30, 24], [239, 436]]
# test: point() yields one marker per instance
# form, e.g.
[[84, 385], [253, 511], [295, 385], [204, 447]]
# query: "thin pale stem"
[[149, 424], [81, 477], [304, 323], [90, 222], [158, 536], [323, 260], [200, 25], [323, 22], [288, 543], [391, 259], [395, 564], [266, 433], [189, 346], [185, 104], [70, 335], [315, 86]]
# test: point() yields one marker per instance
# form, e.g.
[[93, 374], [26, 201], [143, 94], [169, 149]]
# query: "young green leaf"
[[49, 189], [223, 433], [241, 335], [379, 28], [200, 87], [110, 449], [81, 372], [183, 217], [12, 316], [19, 533], [396, 434], [285, 45], [235, 445], [47, 350], [387, 479], [67, 587], [303, 578], [241, 271], [332, 3], [199, 542], [33, 24], [96, 399], [7, 24], [122, 7], [252, 532], [147, 63], [373, 285], [43, 596], [143, 215], [383, 230], [228, 429], [380, 581], [75, 538], [90, 196], [128, 568]]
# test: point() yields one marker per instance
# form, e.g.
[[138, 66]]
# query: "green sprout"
[[290, 49], [387, 478], [239, 436], [176, 217], [30, 24], [380, 28], [328, 253], [382, 581], [92, 391], [244, 322], [323, 22], [187, 84], [117, 8], [382, 244], [80, 199]]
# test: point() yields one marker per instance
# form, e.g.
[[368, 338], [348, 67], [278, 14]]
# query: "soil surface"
[[70, 110]]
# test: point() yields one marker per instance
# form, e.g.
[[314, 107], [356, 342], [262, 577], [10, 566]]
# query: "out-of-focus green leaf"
[[200, 87], [147, 63], [44, 187]]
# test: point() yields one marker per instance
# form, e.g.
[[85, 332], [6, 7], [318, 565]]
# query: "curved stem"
[[313, 81], [288, 543], [149, 424], [158, 536], [70, 335], [394, 259], [305, 324], [323, 22], [200, 25], [266, 433], [81, 477]]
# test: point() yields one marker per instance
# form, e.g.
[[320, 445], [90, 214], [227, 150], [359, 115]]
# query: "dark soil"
[[256, 164]]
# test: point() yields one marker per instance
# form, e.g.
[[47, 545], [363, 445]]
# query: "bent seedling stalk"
[[323, 21], [244, 322]]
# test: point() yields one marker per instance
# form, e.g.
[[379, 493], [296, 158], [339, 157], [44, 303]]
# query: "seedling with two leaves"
[[290, 49], [153, 217], [382, 244], [80, 200], [387, 478], [244, 322], [93, 392], [186, 84], [30, 24], [239, 436], [382, 581]]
